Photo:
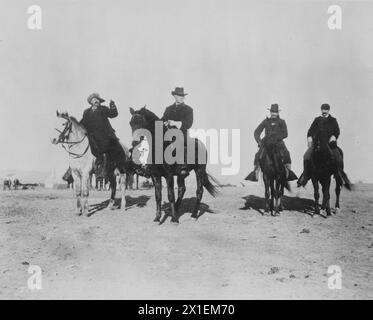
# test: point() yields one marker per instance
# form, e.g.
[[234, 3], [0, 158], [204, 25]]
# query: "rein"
[[64, 135]]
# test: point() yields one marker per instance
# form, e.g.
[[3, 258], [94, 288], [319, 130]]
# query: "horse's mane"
[[77, 123], [149, 115]]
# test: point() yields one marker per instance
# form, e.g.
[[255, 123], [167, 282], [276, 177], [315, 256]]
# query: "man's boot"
[[302, 181], [290, 175], [254, 175]]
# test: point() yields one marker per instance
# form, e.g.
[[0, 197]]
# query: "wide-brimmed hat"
[[274, 108], [179, 92], [325, 106], [94, 95]]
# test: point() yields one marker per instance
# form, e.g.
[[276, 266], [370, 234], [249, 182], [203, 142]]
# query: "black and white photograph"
[[186, 150]]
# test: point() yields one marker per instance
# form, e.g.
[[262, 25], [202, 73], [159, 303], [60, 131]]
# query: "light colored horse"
[[74, 140]]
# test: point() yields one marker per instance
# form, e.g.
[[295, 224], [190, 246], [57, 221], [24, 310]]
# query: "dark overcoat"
[[324, 127], [275, 129], [181, 112]]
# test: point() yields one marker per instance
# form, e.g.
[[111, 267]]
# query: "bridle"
[[64, 135]]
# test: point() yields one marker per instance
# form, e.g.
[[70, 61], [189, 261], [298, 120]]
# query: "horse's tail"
[[346, 181], [212, 189]]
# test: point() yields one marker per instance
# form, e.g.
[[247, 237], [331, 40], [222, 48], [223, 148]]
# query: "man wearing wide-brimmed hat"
[[102, 138], [275, 129], [180, 116]]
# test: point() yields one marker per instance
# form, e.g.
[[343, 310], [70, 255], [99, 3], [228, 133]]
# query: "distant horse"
[[7, 183], [274, 177], [322, 168], [145, 119], [74, 140]]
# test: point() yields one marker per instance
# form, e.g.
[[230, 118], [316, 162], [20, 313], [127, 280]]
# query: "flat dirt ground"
[[231, 252]]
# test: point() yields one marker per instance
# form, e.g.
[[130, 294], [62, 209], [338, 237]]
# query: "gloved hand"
[[333, 138], [309, 142], [112, 104]]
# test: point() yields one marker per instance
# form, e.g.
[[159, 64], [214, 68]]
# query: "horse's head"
[[321, 150], [67, 128], [142, 119]]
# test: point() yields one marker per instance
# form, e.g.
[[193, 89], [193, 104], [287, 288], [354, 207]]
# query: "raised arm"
[[111, 112]]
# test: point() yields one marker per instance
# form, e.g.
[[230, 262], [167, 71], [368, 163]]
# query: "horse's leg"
[[180, 192], [326, 195], [113, 187], [277, 197], [123, 187], [137, 182], [273, 196], [337, 194], [199, 192], [171, 197], [266, 193], [316, 194], [281, 206], [85, 193], [157, 182], [78, 190]]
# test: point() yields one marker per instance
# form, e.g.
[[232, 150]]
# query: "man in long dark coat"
[[104, 143], [180, 116], [275, 130]]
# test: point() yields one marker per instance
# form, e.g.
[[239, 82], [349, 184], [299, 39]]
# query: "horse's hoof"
[[175, 221], [194, 216], [157, 219], [275, 214], [337, 211]]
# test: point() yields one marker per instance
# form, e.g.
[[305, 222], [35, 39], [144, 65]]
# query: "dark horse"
[[322, 167], [274, 177], [145, 119]]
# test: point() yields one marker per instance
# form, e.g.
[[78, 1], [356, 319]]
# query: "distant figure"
[[68, 177], [16, 183], [276, 131]]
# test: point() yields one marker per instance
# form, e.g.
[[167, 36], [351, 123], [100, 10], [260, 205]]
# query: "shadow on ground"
[[139, 202], [187, 206], [302, 205]]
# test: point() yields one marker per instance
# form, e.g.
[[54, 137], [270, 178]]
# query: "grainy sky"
[[234, 57]]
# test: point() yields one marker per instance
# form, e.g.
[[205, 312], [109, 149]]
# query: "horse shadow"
[[139, 202], [186, 206], [302, 205]]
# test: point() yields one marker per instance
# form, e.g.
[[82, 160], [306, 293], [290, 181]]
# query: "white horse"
[[74, 140]]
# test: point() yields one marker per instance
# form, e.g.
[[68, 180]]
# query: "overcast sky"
[[233, 57]]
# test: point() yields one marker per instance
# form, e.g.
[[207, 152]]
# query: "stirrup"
[[252, 177], [291, 176]]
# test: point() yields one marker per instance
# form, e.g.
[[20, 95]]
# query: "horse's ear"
[[58, 114], [132, 111], [144, 106]]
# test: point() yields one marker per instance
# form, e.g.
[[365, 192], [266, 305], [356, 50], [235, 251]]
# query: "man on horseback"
[[275, 131], [105, 145], [179, 116], [327, 127]]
